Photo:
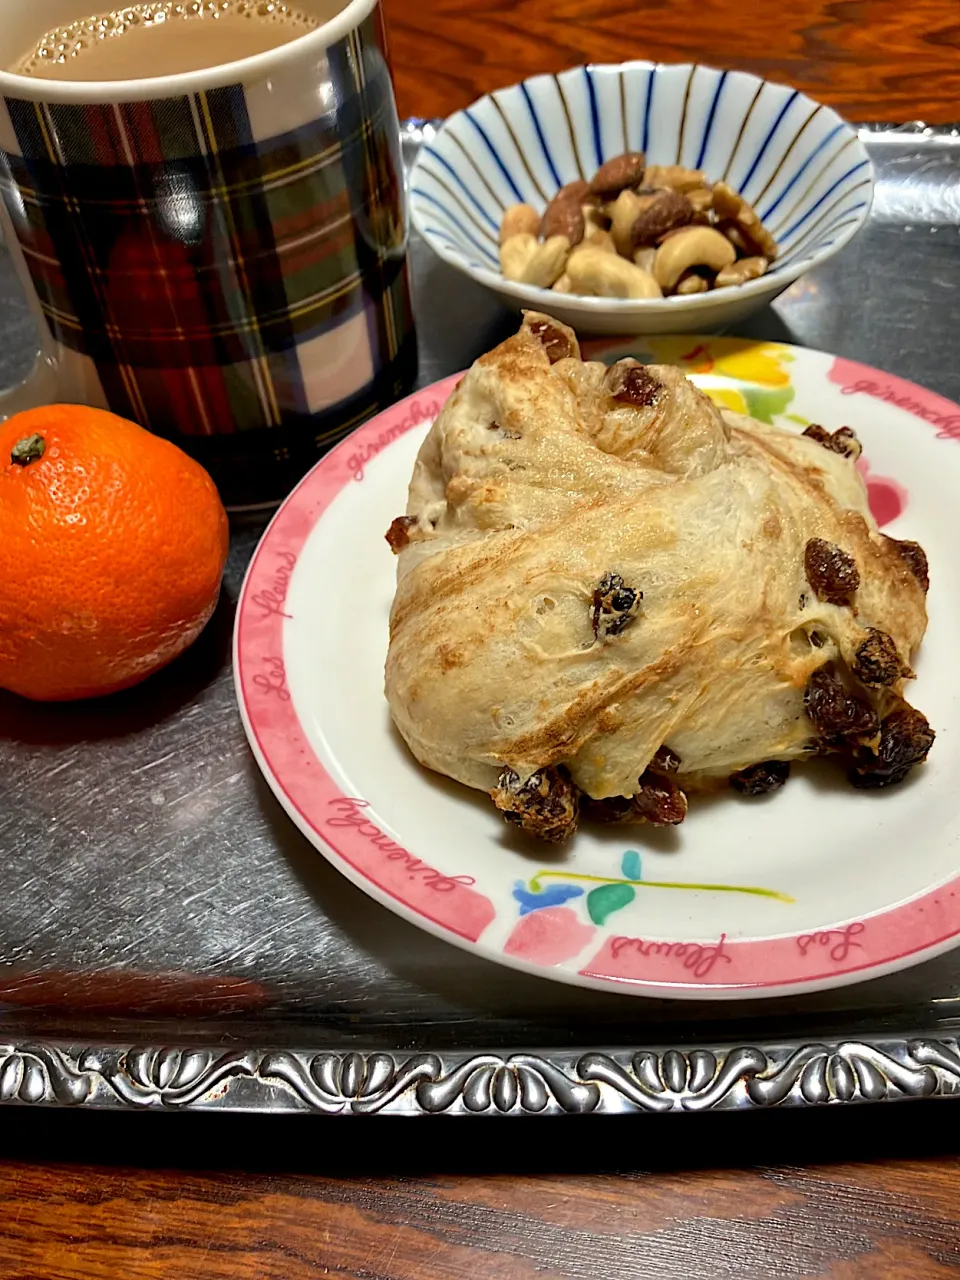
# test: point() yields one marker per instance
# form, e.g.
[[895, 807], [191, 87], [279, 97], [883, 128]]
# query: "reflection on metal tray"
[[153, 894]]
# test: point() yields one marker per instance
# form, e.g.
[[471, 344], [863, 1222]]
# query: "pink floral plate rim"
[[450, 907]]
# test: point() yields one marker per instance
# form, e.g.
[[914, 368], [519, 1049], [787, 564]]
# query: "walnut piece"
[[730, 205]]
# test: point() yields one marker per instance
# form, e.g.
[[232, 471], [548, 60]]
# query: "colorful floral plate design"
[[814, 886]]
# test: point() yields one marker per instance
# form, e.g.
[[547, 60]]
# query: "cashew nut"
[[593, 220], [740, 272], [519, 219], [623, 214], [547, 262], [644, 198], [690, 282], [693, 247], [515, 253], [644, 259], [602, 239], [607, 275], [675, 176]]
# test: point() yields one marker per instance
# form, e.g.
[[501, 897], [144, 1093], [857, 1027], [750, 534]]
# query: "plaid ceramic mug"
[[219, 255]]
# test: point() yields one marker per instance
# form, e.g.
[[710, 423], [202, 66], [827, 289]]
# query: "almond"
[[619, 172], [669, 210], [562, 217], [578, 191]]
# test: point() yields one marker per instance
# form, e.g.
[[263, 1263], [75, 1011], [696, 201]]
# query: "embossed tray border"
[[882, 1068], [738, 1078]]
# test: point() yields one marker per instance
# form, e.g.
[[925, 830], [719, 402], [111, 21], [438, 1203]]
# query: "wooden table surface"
[[843, 1194], [872, 59]]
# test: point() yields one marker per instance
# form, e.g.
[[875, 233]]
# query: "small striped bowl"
[[797, 162]]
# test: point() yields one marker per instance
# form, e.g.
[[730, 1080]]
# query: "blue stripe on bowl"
[[769, 138], [451, 240], [648, 107], [810, 243], [429, 153], [495, 156], [829, 192], [772, 208], [538, 129], [448, 240], [445, 193], [594, 115], [444, 209], [812, 185], [711, 116]]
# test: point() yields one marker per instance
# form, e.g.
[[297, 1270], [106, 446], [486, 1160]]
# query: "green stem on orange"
[[29, 449], [660, 884]]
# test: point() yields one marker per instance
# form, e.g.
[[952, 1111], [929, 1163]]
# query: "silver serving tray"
[[169, 940]]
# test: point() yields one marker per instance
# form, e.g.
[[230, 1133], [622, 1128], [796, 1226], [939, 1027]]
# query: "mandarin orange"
[[112, 548]]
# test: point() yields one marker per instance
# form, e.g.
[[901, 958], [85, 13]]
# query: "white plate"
[[855, 884]]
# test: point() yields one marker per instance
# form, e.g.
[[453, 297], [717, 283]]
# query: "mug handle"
[[42, 384]]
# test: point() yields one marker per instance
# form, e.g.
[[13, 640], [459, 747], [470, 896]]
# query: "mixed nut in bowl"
[[641, 198], [636, 231]]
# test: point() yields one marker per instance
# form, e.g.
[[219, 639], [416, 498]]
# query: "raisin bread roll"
[[600, 571]]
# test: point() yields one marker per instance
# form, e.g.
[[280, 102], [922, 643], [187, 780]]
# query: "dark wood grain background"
[[847, 1194], [854, 1194], [873, 59]]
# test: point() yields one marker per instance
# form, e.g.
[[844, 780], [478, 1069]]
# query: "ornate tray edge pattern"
[[739, 1078]]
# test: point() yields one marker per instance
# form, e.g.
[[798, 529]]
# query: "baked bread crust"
[[596, 563]]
